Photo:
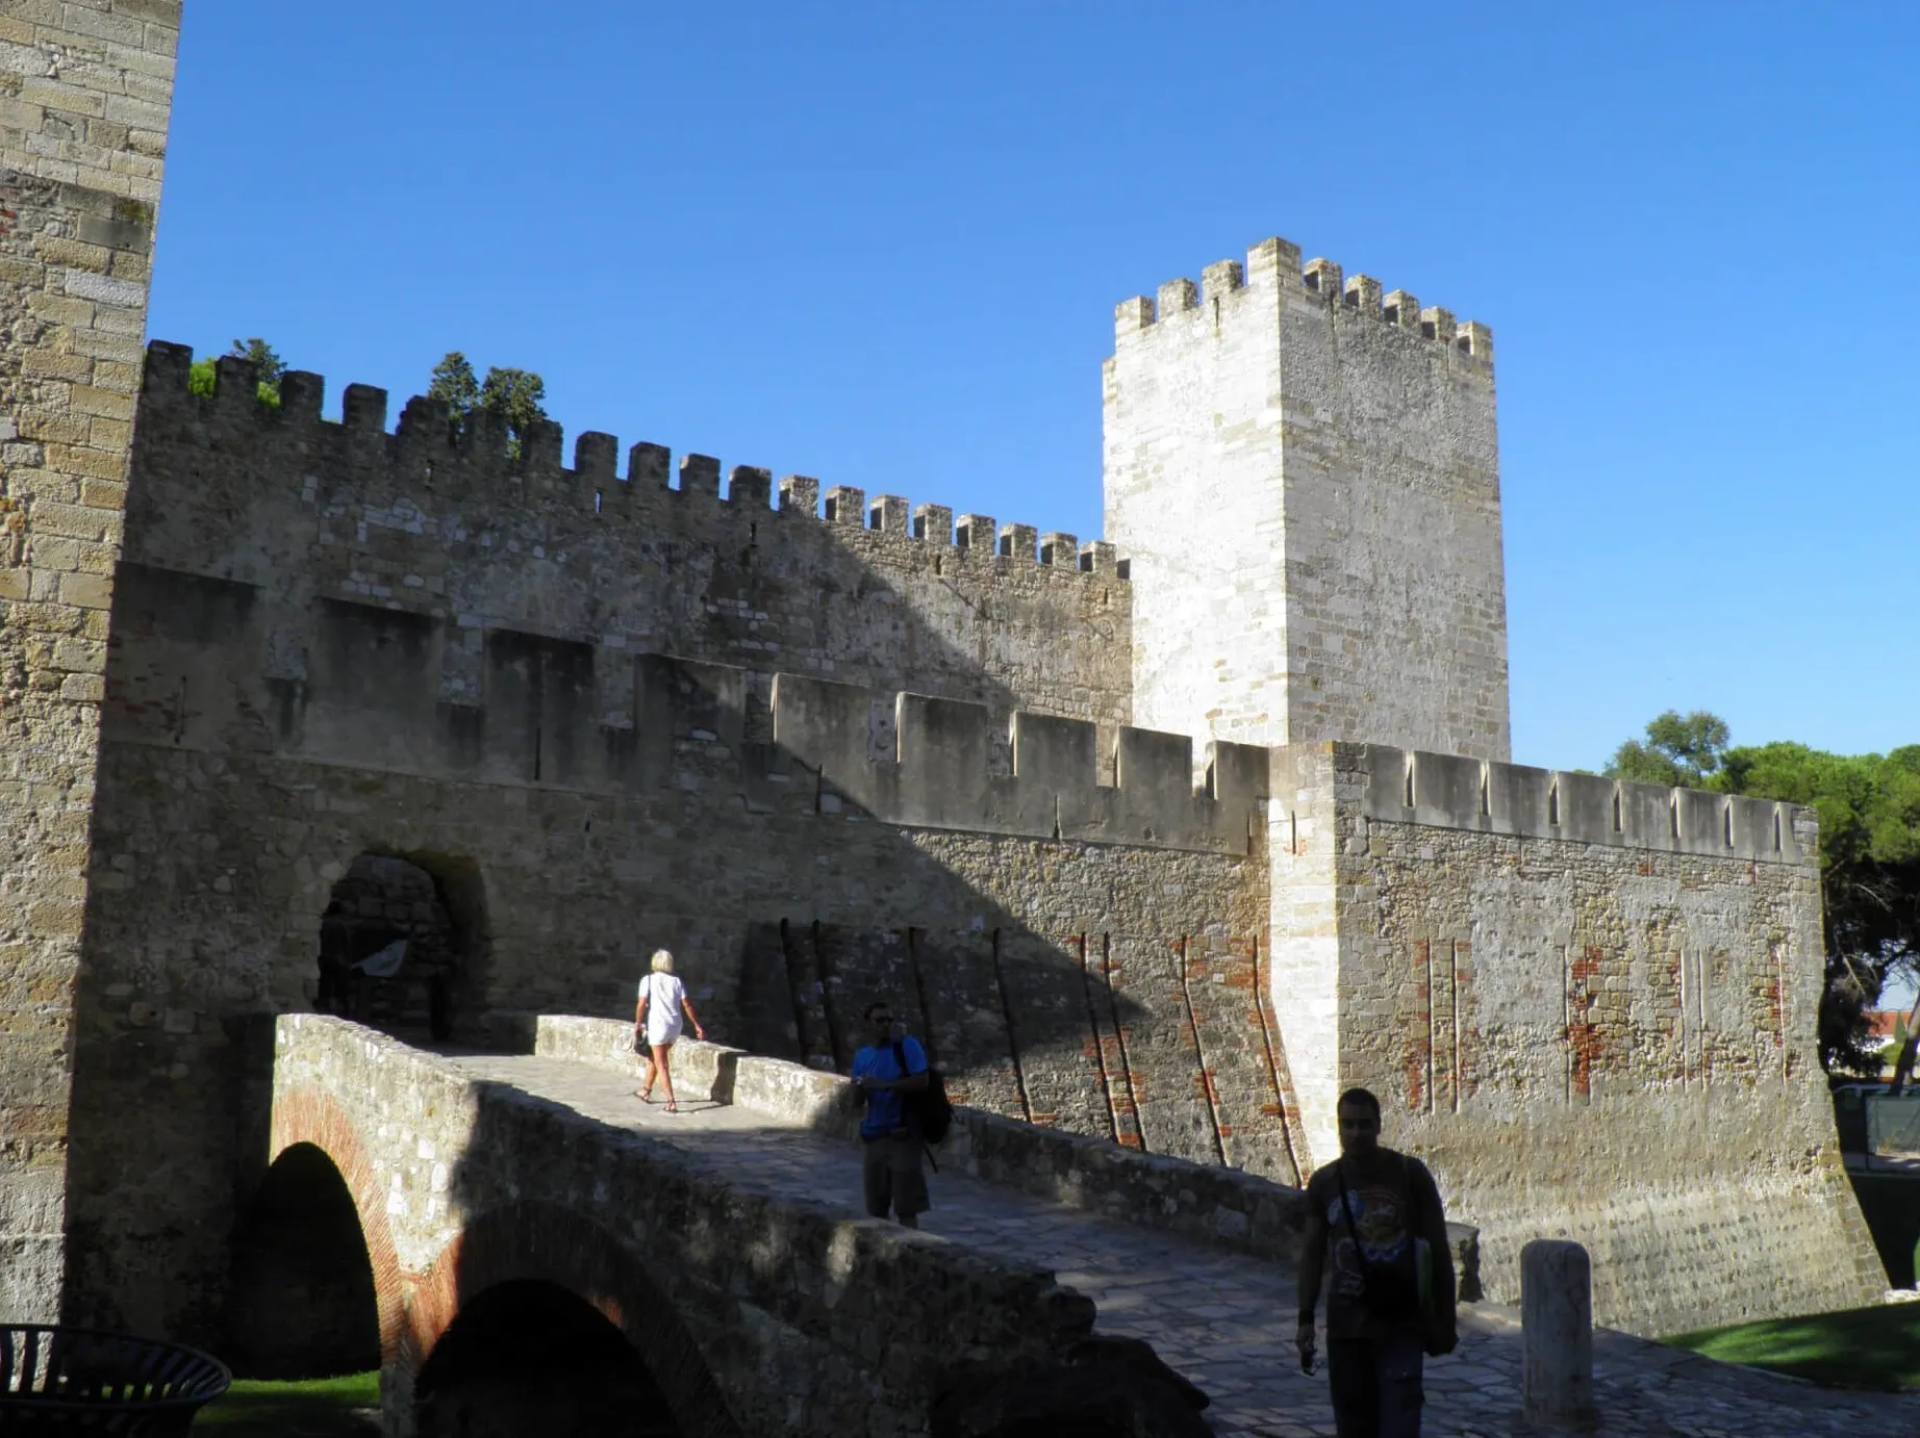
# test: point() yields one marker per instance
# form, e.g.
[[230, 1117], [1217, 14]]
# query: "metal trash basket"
[[80, 1380]]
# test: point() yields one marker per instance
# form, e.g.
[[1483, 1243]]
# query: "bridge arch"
[[530, 1248], [308, 1117], [301, 1297]]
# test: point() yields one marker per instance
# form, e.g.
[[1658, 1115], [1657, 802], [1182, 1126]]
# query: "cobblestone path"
[[1222, 1319]]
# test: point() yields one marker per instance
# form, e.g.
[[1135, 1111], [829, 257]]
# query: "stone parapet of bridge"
[[755, 1313], [1226, 1207]]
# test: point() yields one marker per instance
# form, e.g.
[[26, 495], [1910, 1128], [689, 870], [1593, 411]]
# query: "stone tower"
[[1305, 477], [86, 89]]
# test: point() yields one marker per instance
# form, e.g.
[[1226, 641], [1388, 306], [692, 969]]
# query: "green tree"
[[514, 395], [265, 359], [1679, 752], [1869, 808], [454, 382], [202, 376]]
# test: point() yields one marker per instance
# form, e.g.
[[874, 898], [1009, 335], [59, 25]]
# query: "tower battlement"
[[1274, 265], [1332, 448]]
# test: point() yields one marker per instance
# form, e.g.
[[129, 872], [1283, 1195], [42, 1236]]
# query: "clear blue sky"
[[881, 243]]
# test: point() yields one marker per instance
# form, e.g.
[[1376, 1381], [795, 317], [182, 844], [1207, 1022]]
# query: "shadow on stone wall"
[[302, 1302], [528, 1359]]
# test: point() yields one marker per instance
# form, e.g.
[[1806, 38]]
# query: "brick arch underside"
[[554, 1244], [307, 1115], [527, 1240]]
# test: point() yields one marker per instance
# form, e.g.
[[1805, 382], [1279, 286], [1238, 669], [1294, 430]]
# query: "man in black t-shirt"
[[1374, 1221]]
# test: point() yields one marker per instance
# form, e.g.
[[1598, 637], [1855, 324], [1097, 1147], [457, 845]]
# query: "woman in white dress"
[[656, 1020]]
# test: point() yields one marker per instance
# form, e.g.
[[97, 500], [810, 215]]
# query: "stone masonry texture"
[[820, 1323], [85, 92], [1113, 826], [1584, 1035], [581, 798], [541, 1164]]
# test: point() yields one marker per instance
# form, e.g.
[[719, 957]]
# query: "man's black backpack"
[[930, 1108]]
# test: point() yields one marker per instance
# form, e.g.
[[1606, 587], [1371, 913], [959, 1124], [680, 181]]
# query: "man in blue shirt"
[[890, 1142]]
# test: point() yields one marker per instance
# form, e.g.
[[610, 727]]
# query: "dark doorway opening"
[[303, 1302], [529, 1359], [398, 943]]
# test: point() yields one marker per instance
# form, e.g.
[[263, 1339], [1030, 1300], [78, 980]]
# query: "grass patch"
[[1875, 1347], [314, 1408]]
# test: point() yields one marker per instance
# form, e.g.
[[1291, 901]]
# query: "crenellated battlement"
[[935, 770], [1450, 792], [586, 718], [1274, 266], [473, 456]]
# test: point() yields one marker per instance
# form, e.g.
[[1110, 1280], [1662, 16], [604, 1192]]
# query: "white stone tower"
[[1305, 480]]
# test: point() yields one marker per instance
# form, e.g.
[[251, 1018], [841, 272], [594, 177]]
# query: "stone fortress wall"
[[85, 92], [1589, 1005], [331, 639], [282, 699], [827, 749]]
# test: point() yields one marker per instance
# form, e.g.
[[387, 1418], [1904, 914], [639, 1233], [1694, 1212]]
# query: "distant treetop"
[[513, 394], [1679, 752], [266, 361]]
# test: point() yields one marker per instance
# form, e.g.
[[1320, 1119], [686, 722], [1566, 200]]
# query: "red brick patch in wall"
[[1418, 1049], [1437, 1027], [309, 1115], [1777, 997], [1462, 1073], [1585, 1038]]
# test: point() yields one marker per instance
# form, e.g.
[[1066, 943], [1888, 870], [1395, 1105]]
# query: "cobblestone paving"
[[1224, 1320]]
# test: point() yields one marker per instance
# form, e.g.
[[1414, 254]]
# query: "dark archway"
[[528, 1359], [431, 906], [303, 1303]]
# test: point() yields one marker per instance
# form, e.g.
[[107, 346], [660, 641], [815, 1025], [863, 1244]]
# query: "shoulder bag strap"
[[1346, 1207], [900, 1057]]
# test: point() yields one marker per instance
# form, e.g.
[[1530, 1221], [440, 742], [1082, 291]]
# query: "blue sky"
[[881, 243]]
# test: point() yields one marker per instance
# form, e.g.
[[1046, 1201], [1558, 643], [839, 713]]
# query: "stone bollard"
[[1556, 1318]]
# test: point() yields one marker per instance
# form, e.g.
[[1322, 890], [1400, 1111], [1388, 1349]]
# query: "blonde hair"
[[662, 961]]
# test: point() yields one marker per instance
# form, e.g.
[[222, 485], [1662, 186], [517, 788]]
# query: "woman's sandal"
[[672, 1107]]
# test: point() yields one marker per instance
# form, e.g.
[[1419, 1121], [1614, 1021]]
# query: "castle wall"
[[85, 93], [802, 844], [222, 863], [1303, 476], [442, 523], [1591, 1008]]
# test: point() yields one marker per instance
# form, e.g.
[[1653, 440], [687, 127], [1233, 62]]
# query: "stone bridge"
[[755, 1310], [523, 1216]]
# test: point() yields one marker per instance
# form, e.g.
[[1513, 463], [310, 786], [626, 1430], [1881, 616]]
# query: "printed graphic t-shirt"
[[1383, 1209], [885, 1111]]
